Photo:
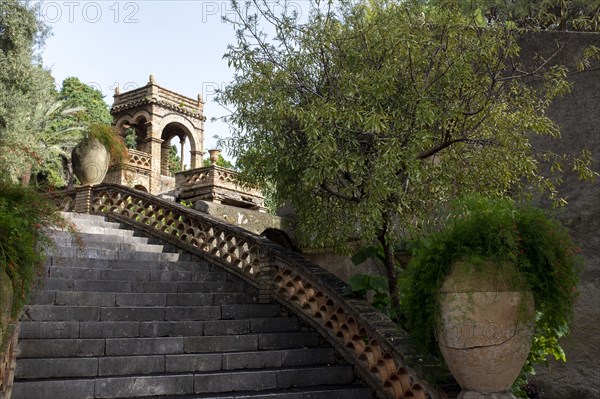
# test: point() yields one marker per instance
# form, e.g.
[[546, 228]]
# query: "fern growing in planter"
[[480, 229], [109, 138]]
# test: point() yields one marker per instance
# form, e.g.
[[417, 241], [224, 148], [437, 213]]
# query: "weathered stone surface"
[[249, 219], [577, 115], [485, 327], [90, 162], [76, 389]]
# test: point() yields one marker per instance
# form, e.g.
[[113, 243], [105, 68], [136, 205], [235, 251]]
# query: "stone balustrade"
[[217, 184], [139, 159], [381, 352]]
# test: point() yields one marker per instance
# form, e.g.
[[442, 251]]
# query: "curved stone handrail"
[[365, 337]]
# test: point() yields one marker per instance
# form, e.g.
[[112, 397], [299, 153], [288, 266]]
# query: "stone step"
[[349, 391], [28, 369], [112, 245], [67, 284], [195, 265], [119, 254], [82, 217], [147, 313], [181, 384], [63, 237], [91, 273], [56, 348], [149, 329], [90, 298], [127, 316]]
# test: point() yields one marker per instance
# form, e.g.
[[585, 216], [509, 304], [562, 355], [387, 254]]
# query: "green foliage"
[[25, 219], [38, 126], [362, 284], [26, 89], [371, 114], [374, 113], [481, 229], [369, 252], [174, 160], [76, 94], [545, 343], [109, 137], [564, 15], [130, 139]]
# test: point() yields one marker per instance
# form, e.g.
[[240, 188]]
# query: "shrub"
[[25, 219]]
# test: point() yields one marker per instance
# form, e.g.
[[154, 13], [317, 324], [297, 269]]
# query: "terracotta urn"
[[214, 156], [486, 327], [90, 161]]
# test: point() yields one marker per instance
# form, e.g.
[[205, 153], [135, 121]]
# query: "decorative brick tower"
[[157, 116]]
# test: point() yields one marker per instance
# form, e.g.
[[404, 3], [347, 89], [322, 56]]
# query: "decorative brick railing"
[[380, 351], [216, 183], [139, 159], [211, 175]]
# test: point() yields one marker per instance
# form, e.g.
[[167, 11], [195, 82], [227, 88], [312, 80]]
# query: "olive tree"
[[367, 116]]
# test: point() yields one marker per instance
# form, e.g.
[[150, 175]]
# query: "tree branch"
[[350, 198]]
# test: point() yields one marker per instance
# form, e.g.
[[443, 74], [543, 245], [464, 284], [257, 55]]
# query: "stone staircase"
[[123, 317]]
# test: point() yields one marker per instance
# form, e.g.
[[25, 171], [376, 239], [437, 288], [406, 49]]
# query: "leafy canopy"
[[38, 126], [26, 89], [371, 114], [564, 15]]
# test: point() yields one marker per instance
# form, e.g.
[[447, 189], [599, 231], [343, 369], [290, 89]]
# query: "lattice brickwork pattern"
[[317, 304], [229, 248], [139, 159]]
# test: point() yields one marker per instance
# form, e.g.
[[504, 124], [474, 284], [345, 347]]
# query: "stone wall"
[[578, 115], [251, 220]]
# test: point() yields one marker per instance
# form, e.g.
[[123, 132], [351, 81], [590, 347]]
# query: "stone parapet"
[[219, 185]]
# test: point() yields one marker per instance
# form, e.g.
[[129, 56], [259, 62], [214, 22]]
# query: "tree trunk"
[[390, 267], [26, 176], [68, 171]]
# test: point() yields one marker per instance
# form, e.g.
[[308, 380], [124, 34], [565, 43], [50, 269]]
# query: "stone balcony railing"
[[217, 184], [139, 159], [380, 351]]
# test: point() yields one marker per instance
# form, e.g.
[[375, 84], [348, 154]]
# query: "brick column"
[[83, 199], [196, 159], [265, 278], [155, 164]]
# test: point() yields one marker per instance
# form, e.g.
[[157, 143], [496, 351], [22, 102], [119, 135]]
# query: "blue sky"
[[105, 43]]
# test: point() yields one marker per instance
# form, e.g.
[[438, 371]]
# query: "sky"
[[180, 42]]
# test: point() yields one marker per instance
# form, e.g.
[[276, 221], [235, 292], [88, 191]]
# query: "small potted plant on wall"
[[100, 148], [496, 276]]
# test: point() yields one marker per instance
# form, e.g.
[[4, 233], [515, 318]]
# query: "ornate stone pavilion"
[[158, 116]]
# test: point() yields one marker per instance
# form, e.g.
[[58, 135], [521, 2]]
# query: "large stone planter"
[[90, 161], [486, 328]]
